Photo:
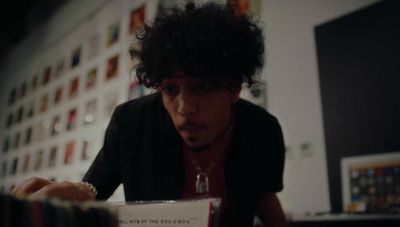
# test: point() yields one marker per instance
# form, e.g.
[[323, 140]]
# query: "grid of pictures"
[[371, 183], [72, 92]]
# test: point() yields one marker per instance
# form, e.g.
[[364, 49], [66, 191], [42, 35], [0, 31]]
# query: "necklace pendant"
[[202, 183]]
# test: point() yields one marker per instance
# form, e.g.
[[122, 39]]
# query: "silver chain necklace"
[[202, 183]]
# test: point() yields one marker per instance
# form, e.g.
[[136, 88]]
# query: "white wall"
[[291, 73], [294, 96]]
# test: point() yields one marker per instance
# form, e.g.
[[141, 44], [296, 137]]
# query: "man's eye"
[[170, 89]]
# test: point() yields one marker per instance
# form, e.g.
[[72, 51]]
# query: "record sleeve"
[[182, 213]]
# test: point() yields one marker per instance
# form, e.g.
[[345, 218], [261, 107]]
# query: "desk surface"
[[346, 217]]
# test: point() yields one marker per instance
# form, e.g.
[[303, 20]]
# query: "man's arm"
[[270, 211]]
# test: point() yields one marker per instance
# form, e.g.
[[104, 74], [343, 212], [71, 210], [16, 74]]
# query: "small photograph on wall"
[[112, 68], [111, 101], [12, 97], [23, 90], [6, 144], [112, 35], [91, 78], [76, 57], [164, 6], [25, 164], [39, 160], [86, 149], [9, 121], [60, 68], [34, 83], [20, 114], [90, 111], [28, 135], [14, 166], [17, 139], [40, 132], [245, 7], [58, 94], [69, 152], [56, 125], [135, 90], [94, 43], [3, 171], [74, 87], [30, 109], [44, 100], [71, 121], [46, 76], [137, 19], [53, 157]]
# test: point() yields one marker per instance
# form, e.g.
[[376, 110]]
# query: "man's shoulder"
[[253, 113]]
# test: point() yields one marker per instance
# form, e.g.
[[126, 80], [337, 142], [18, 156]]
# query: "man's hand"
[[35, 188]]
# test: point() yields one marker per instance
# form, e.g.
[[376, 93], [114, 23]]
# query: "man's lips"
[[189, 127]]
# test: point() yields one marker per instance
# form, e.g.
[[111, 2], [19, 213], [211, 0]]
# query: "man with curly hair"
[[194, 137]]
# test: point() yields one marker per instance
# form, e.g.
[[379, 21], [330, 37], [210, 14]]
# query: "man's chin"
[[197, 147]]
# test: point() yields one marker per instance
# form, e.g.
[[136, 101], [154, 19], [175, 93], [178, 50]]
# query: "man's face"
[[200, 112]]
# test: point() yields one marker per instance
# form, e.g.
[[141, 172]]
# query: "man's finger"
[[64, 190], [30, 186]]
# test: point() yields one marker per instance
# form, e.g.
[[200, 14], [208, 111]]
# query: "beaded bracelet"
[[91, 187]]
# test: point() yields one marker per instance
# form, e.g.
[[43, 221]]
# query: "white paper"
[[191, 213]]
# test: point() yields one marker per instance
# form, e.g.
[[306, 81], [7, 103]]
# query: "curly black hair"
[[207, 41]]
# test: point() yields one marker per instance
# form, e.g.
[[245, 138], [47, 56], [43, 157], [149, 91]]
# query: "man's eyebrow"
[[166, 81]]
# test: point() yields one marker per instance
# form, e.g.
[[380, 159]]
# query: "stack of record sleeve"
[[16, 212]]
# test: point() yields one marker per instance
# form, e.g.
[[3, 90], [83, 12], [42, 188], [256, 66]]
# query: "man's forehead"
[[186, 77]]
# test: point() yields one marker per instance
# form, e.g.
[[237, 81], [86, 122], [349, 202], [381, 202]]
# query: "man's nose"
[[187, 104]]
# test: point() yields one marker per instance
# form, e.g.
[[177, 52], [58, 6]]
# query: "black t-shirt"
[[143, 151]]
